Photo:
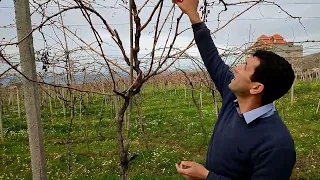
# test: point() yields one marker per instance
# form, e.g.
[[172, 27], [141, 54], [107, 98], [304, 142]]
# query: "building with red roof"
[[278, 45]]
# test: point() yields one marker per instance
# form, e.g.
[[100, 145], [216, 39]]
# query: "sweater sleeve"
[[214, 176], [218, 70], [274, 164]]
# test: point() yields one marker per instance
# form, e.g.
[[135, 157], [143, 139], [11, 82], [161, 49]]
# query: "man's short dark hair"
[[275, 73]]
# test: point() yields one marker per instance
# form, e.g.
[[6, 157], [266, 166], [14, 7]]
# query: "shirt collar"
[[260, 112]]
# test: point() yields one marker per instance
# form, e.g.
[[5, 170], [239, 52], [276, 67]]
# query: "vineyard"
[[118, 90], [172, 131]]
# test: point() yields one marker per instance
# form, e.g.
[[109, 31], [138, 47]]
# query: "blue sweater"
[[261, 149]]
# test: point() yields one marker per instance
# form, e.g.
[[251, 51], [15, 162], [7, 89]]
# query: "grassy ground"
[[173, 133]]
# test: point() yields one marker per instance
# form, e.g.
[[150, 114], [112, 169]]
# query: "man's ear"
[[257, 88]]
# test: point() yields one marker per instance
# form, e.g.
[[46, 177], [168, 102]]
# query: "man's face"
[[241, 84]]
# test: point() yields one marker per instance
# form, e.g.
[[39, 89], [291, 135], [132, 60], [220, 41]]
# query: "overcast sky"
[[262, 19]]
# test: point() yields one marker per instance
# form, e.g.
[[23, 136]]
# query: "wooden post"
[[185, 91], [292, 93], [214, 92], [88, 104], [80, 108], [18, 103], [116, 106], [50, 106], [201, 95], [30, 89], [10, 98], [64, 104], [1, 122], [318, 107]]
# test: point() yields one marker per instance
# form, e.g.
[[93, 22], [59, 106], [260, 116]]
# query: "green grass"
[[172, 131]]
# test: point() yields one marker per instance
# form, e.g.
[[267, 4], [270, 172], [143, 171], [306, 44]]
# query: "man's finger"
[[187, 163], [181, 170], [177, 166]]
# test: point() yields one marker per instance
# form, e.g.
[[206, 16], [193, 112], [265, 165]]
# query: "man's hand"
[[192, 170], [189, 7]]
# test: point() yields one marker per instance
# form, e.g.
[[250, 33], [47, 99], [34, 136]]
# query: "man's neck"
[[248, 103]]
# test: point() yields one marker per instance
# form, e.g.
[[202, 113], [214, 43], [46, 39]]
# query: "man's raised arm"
[[218, 70]]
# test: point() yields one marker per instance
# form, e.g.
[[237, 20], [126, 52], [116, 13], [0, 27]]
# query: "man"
[[249, 140]]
